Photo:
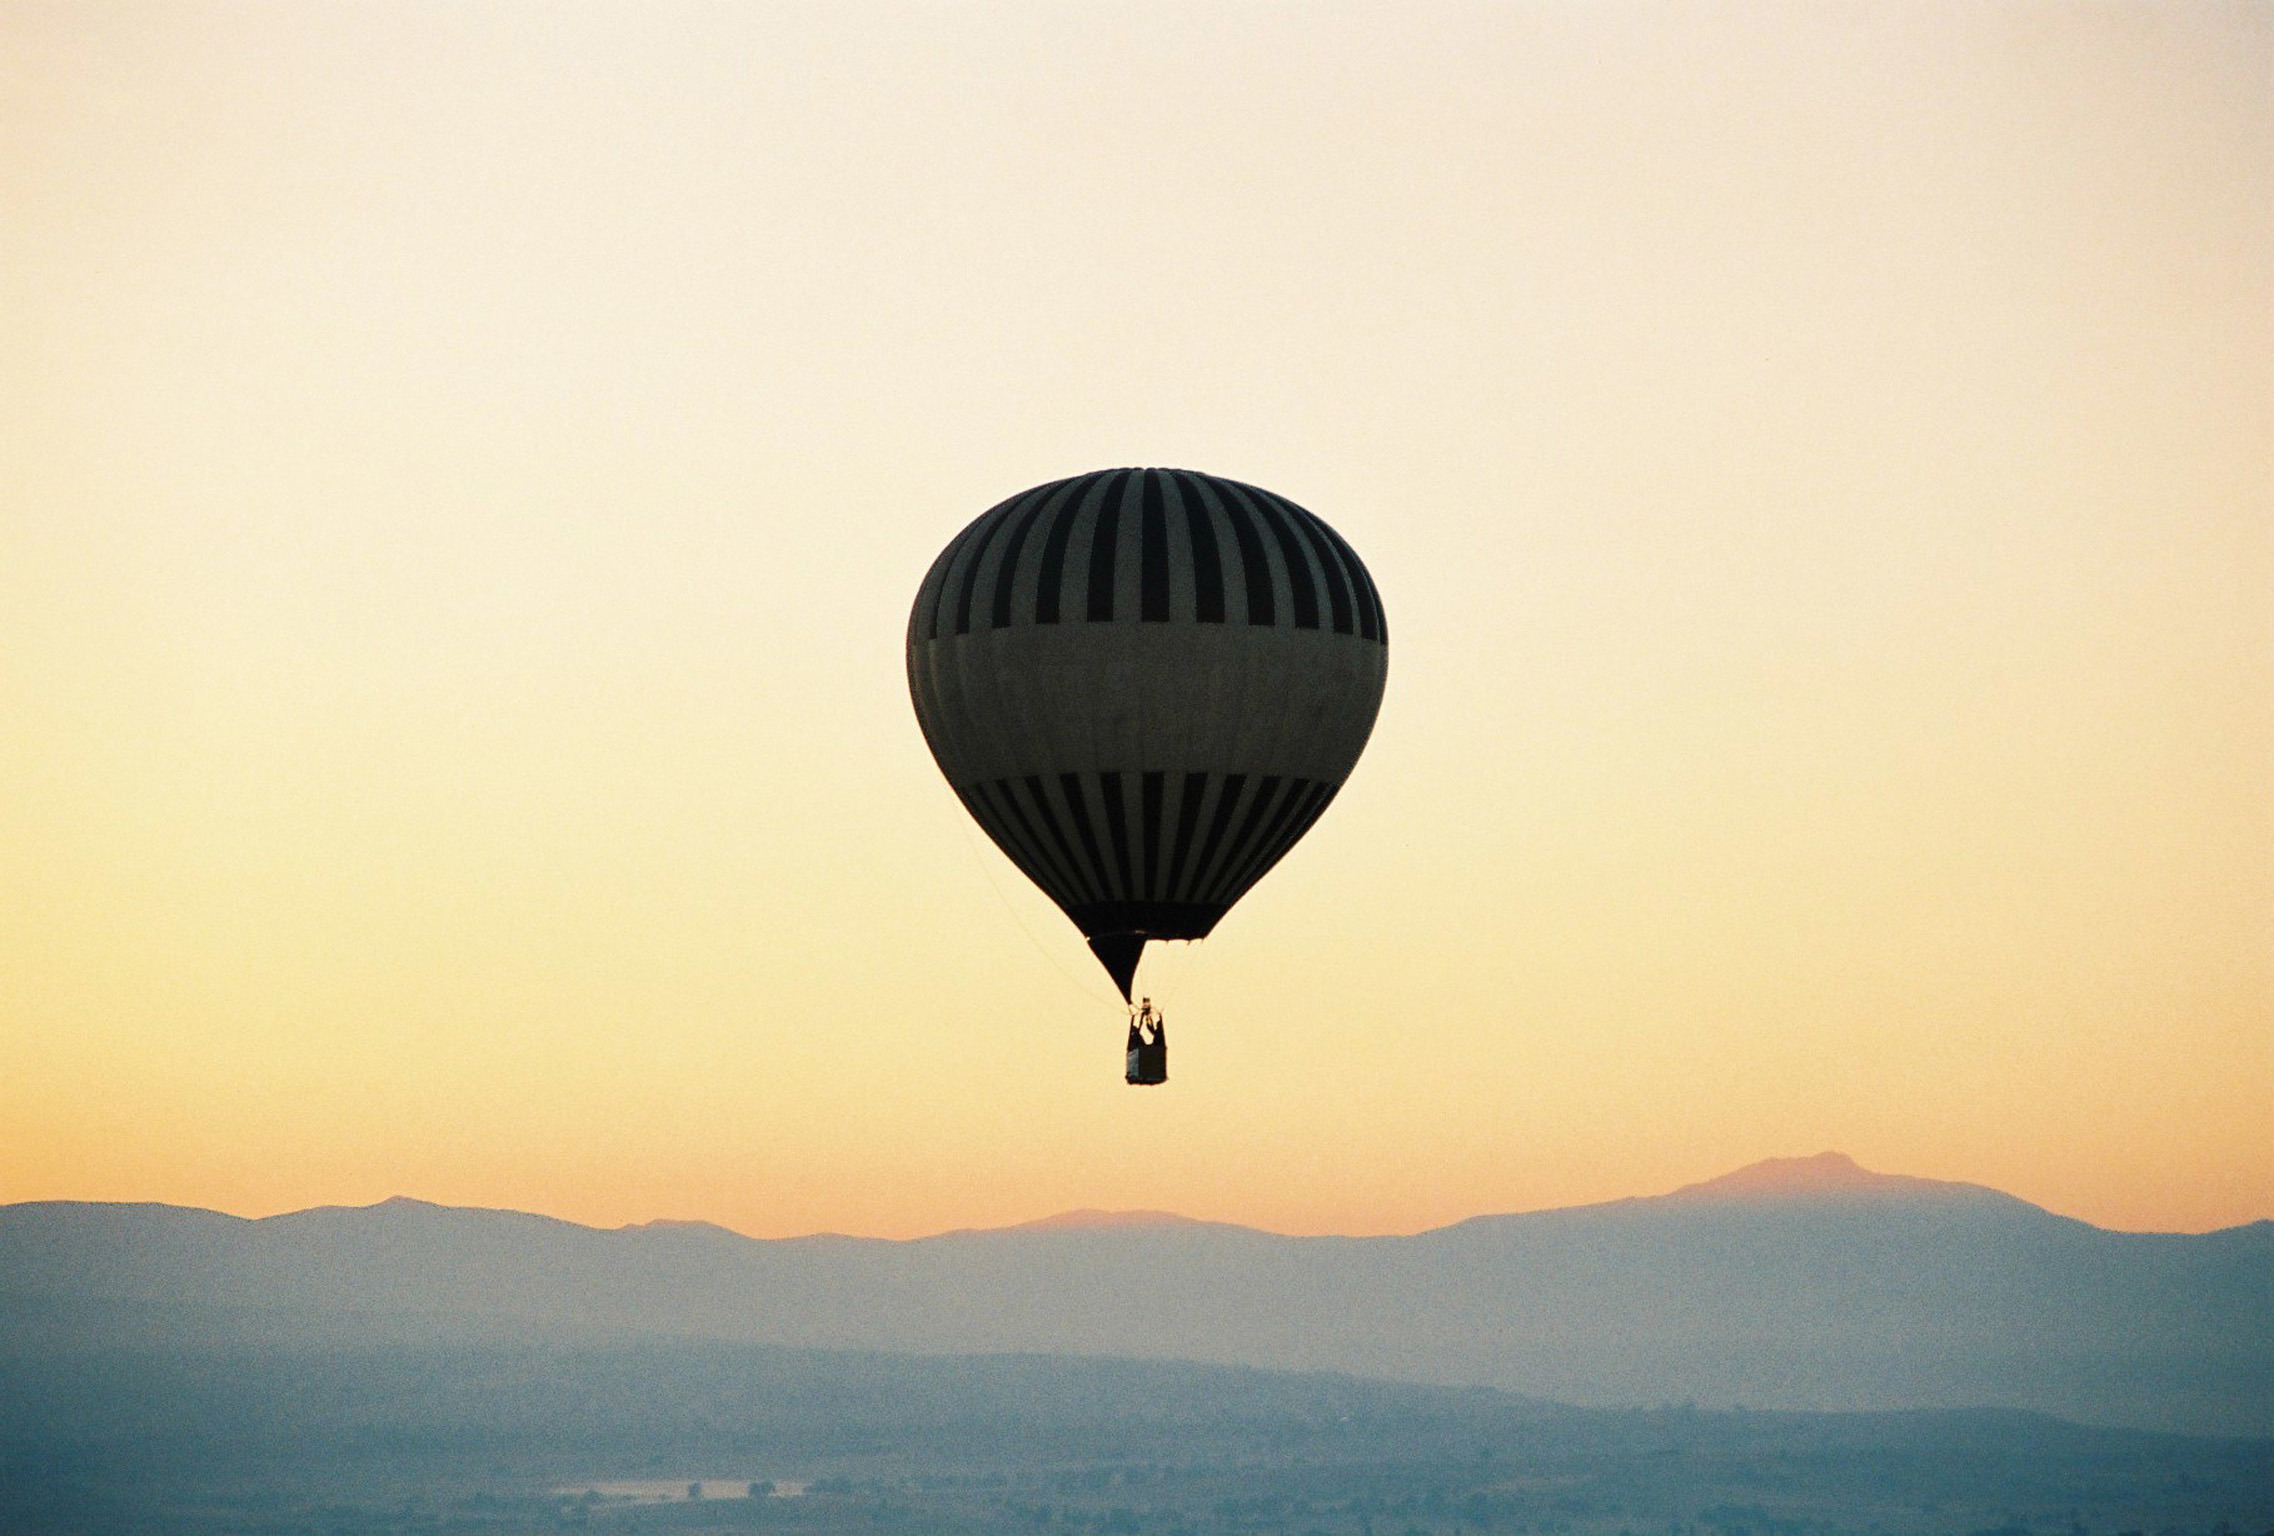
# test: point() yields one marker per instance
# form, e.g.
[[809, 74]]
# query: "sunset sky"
[[464, 471]]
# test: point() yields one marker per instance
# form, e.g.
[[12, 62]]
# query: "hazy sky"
[[464, 470]]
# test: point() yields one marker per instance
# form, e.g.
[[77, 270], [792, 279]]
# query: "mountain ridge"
[[1810, 1285], [1821, 1177]]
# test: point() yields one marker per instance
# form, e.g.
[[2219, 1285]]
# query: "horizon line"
[[1765, 1181]]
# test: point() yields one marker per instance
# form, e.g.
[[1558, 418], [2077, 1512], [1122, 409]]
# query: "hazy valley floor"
[[499, 1439]]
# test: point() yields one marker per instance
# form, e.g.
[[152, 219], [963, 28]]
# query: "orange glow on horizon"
[[466, 473]]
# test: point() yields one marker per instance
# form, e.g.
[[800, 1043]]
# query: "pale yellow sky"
[[463, 471]]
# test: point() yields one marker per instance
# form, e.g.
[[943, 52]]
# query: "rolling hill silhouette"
[[1805, 1283]]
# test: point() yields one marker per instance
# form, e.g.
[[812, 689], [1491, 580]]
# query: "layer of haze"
[[463, 471]]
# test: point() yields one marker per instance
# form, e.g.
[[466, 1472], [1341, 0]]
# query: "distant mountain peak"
[[393, 1205], [1095, 1221], [1827, 1175], [672, 1224]]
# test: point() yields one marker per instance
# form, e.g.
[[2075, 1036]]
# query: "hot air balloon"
[[1146, 685]]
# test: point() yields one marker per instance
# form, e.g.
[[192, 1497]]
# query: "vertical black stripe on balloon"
[[1117, 830], [1263, 814], [1207, 568], [961, 561], [1241, 870], [1320, 800], [1361, 596], [1313, 807], [988, 808], [1053, 572], [1301, 587], [955, 597], [1321, 797], [1059, 840], [1104, 545], [1074, 803], [1006, 574], [1254, 568], [1227, 800], [1361, 584], [934, 595], [1058, 877], [1153, 556], [1330, 564], [1078, 879], [935, 583], [994, 523], [1187, 822], [1078, 811], [1279, 836], [1267, 792], [996, 812], [1149, 789]]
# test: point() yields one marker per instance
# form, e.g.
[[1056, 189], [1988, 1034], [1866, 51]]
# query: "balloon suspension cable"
[[1080, 982], [1167, 971]]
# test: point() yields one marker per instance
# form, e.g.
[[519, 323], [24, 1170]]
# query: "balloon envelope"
[[1146, 684]]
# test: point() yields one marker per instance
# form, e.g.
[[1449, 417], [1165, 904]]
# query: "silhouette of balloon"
[[1145, 685]]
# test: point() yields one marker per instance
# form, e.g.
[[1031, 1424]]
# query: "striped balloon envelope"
[[1146, 684]]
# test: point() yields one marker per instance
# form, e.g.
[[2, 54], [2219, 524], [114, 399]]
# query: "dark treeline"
[[413, 1438]]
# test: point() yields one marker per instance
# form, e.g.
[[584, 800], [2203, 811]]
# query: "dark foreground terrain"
[[419, 1438]]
